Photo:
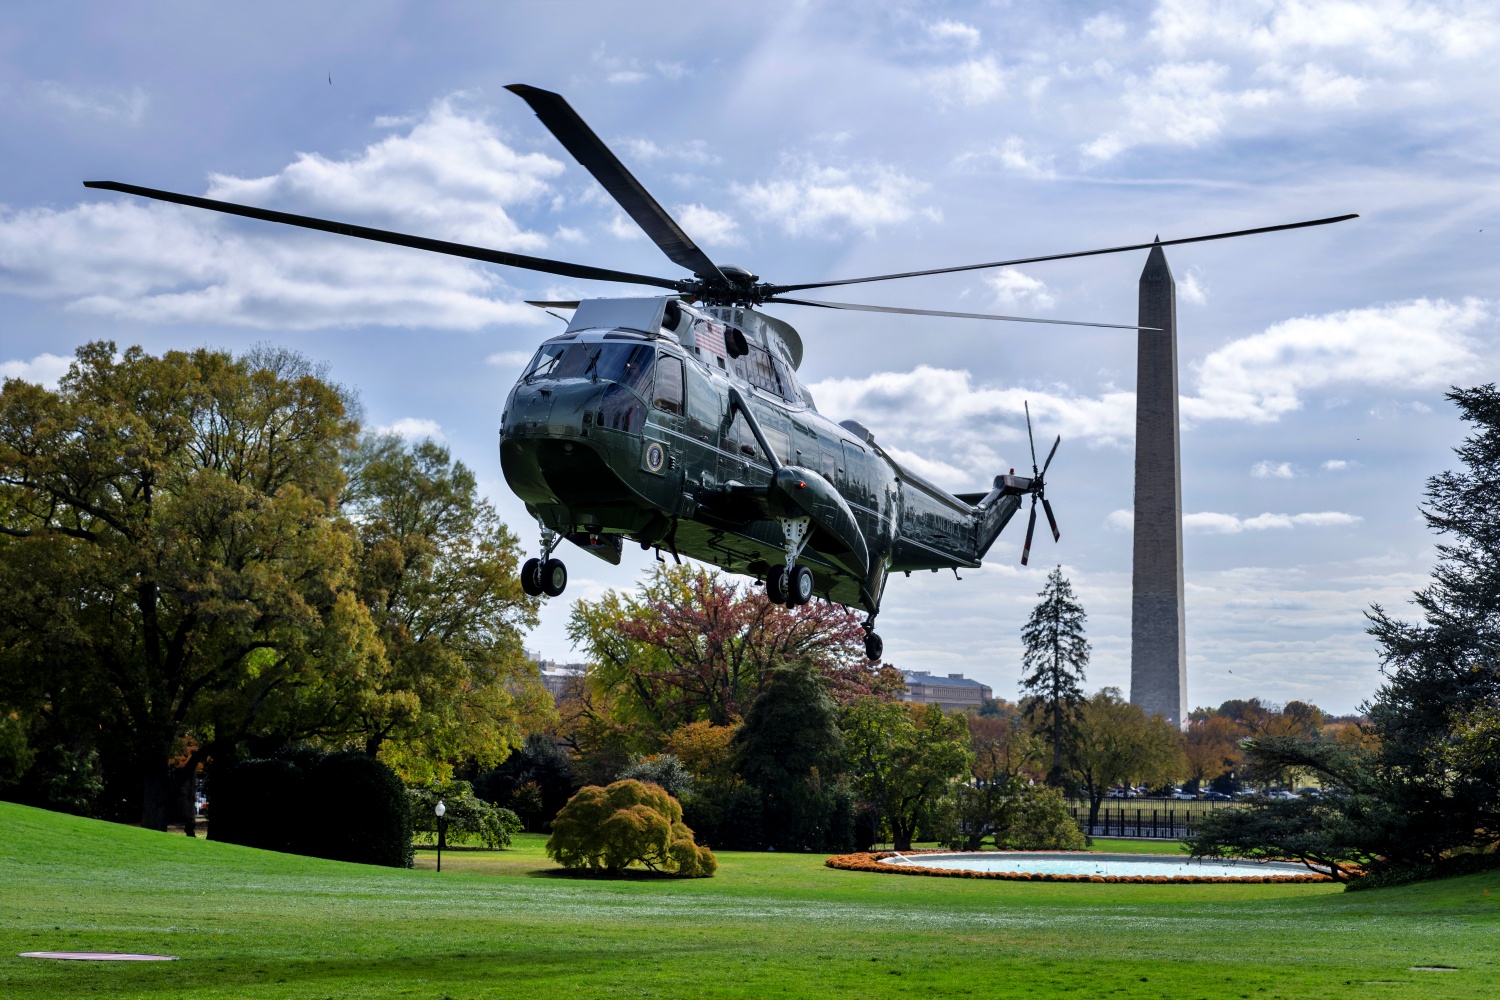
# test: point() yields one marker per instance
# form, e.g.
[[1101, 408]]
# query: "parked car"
[[1282, 794], [1182, 796], [1212, 796]]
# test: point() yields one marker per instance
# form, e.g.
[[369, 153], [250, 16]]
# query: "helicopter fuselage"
[[686, 430]]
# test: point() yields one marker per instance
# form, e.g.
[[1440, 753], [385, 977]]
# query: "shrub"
[[608, 829], [1040, 822], [469, 817], [727, 817], [345, 806]]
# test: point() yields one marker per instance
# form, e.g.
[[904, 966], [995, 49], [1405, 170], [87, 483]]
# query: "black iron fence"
[[1146, 822]]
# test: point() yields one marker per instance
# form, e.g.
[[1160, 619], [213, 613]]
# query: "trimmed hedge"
[[871, 862], [1463, 864], [344, 806]]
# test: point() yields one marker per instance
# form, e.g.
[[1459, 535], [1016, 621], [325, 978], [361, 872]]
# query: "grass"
[[252, 924]]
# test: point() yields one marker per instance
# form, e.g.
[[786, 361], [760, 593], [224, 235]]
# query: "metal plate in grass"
[[98, 956]]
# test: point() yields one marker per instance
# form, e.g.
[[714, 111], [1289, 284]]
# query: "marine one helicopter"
[[677, 422]]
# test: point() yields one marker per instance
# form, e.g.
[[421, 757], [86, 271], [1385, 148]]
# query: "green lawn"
[[501, 924]]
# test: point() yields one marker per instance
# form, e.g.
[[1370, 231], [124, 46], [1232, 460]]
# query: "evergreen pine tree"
[[1056, 653]]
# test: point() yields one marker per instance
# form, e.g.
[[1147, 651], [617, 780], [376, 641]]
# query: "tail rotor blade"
[[1030, 527], [1029, 438], [1050, 454], [1056, 535]]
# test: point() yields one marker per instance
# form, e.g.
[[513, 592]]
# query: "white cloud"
[[1011, 155], [1017, 290], [1208, 522], [1189, 290], [821, 199], [509, 359], [1383, 31], [953, 33], [1179, 104], [1411, 345], [943, 416], [972, 82], [44, 370], [1337, 464], [708, 226], [1272, 470], [1120, 520], [100, 104], [450, 176], [620, 76], [413, 429], [1104, 27], [623, 227]]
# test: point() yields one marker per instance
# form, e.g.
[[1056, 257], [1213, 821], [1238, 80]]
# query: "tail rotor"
[[1038, 488]]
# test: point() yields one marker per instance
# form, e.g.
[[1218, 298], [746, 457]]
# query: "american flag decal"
[[710, 337]]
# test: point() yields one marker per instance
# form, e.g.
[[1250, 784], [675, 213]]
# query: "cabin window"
[[627, 364], [705, 407], [669, 384], [759, 370], [545, 362]]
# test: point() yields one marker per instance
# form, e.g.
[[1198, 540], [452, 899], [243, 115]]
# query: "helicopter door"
[[662, 452], [705, 414]]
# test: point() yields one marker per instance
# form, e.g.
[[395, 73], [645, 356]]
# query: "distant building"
[[560, 678], [953, 691]]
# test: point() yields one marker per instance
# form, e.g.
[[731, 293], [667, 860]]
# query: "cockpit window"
[[628, 364]]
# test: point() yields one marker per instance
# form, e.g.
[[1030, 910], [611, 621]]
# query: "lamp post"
[[442, 825]]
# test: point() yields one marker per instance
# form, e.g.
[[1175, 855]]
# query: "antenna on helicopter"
[[1038, 487]]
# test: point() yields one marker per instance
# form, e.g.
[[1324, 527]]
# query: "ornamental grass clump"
[[629, 822]]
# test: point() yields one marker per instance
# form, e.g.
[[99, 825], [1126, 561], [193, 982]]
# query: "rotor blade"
[[546, 304], [951, 315], [778, 289], [595, 157], [1030, 527], [1050, 453], [1056, 535], [1030, 440], [398, 239]]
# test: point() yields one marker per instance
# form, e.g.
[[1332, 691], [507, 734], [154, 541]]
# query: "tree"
[[609, 829], [1418, 784], [689, 645], [438, 572], [1056, 654], [1212, 746], [1119, 743], [902, 758], [172, 570], [535, 781], [789, 750]]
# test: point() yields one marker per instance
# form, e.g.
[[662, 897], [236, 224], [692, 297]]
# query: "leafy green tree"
[[903, 758], [438, 572], [469, 818], [1419, 784], [663, 770], [611, 828], [1119, 743], [173, 575], [789, 750], [1055, 657]]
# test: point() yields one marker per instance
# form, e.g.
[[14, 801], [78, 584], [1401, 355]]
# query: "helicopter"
[[677, 421]]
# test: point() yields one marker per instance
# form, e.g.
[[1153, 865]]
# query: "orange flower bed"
[[872, 862]]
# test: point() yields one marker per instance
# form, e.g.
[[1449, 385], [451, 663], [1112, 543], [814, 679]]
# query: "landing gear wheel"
[[874, 647], [531, 578], [800, 587], [776, 585], [554, 577]]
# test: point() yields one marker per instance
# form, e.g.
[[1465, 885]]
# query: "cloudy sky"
[[822, 140]]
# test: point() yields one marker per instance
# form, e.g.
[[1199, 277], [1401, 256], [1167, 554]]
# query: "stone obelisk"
[[1158, 647]]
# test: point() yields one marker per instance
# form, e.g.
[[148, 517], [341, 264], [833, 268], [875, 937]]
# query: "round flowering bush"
[[629, 822]]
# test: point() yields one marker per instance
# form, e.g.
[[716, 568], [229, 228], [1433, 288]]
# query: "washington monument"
[[1158, 647]]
